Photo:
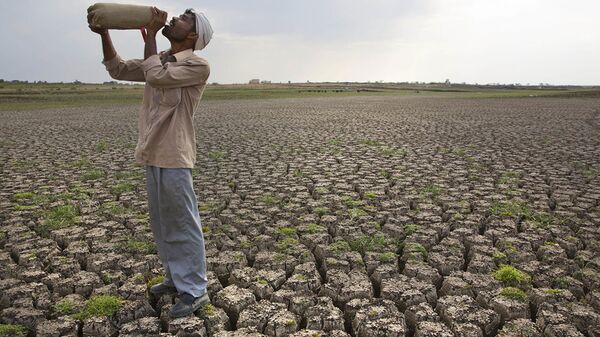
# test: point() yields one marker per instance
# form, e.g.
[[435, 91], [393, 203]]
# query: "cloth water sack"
[[120, 16]]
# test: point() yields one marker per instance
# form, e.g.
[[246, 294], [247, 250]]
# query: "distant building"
[[265, 82], [254, 81]]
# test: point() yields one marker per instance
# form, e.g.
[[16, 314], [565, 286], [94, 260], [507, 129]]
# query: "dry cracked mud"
[[358, 216]]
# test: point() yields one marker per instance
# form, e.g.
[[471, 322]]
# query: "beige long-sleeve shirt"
[[166, 135]]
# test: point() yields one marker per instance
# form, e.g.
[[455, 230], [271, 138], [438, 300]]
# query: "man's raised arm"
[[117, 68]]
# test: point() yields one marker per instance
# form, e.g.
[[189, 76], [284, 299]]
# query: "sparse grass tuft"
[[121, 188], [100, 306], [390, 151], [314, 228], [139, 246], [385, 173], [155, 280], [431, 191], [351, 203], [320, 211], [209, 206], [13, 330], [59, 217], [414, 247], [367, 243], [216, 155], [23, 195], [298, 173], [356, 212], [388, 257], [511, 208], [339, 247], [514, 294], [321, 190], [553, 291], [114, 208], [500, 258], [92, 174], [207, 310], [410, 229], [371, 142], [288, 231], [65, 307], [287, 245], [512, 277], [269, 199], [509, 177], [101, 146], [370, 195]]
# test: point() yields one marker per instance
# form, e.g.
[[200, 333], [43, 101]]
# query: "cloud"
[[330, 40]]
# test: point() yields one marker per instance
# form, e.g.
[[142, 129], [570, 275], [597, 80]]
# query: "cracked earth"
[[356, 216]]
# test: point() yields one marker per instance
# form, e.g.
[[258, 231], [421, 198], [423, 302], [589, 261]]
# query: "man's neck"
[[176, 47]]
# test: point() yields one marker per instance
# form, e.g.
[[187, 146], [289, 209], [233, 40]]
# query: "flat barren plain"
[[323, 216]]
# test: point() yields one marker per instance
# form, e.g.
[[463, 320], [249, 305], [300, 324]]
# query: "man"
[[175, 81]]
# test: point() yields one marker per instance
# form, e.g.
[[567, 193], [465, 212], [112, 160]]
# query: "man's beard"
[[166, 32]]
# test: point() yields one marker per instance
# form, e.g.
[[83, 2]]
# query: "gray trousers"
[[176, 227]]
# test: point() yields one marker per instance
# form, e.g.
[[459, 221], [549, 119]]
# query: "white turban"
[[204, 31]]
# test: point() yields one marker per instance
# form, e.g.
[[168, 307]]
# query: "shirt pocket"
[[170, 97]]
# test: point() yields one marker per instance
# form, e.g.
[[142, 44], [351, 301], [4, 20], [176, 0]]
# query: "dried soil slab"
[[455, 286], [134, 310], [281, 324], [509, 308], [320, 333], [418, 313], [215, 319], [226, 262], [103, 261], [432, 329], [258, 315], [378, 320], [341, 287], [29, 317], [189, 326], [305, 279], [146, 326], [98, 326], [275, 261], [520, 327], [447, 256], [233, 300], [324, 316], [562, 330], [262, 282], [405, 291], [456, 310], [243, 332], [541, 296], [26, 293], [62, 326], [422, 271]]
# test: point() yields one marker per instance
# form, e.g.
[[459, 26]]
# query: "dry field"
[[332, 216]]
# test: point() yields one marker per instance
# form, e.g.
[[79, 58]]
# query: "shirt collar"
[[182, 55]]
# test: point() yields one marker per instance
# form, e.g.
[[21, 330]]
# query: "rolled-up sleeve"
[[129, 70], [173, 76]]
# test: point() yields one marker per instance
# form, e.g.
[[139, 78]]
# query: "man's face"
[[179, 27]]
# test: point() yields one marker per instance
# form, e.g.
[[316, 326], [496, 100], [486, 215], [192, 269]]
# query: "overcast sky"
[[474, 41]]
